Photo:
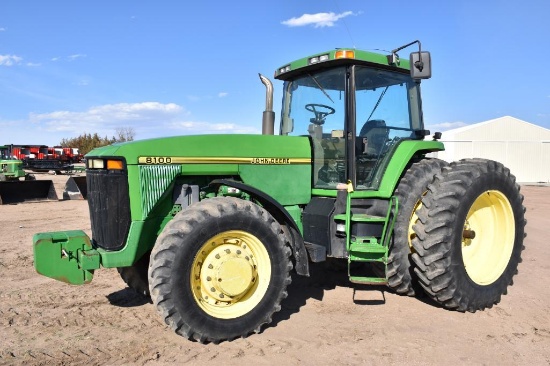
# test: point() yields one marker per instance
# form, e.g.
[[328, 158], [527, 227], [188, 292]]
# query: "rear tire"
[[469, 235], [410, 190], [219, 270]]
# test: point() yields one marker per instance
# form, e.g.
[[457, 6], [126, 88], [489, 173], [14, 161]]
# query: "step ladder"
[[373, 249]]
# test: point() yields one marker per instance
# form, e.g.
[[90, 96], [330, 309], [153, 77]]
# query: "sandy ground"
[[325, 320]]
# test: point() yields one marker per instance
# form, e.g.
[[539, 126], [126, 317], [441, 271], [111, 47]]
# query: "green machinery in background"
[[211, 226], [13, 190]]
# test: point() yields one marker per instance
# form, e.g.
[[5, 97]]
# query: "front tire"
[[136, 276], [469, 235], [219, 270]]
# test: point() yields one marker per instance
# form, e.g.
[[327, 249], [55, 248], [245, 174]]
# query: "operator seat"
[[375, 135]]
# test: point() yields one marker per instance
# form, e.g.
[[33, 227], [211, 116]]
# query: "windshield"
[[4, 155]]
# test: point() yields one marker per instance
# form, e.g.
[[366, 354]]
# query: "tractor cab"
[[5, 153], [356, 107]]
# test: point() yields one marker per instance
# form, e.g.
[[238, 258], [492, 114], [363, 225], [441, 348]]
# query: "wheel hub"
[[227, 273], [230, 274]]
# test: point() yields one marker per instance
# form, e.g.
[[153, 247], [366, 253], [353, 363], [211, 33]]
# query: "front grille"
[[109, 203]]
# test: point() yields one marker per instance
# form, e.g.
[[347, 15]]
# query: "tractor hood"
[[210, 146]]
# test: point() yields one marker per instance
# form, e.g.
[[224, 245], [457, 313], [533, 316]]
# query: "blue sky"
[[187, 67]]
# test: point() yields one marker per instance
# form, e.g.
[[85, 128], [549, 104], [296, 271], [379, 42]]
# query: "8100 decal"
[[155, 160]]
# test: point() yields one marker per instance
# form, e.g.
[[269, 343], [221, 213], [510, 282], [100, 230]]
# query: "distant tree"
[[125, 134], [87, 142]]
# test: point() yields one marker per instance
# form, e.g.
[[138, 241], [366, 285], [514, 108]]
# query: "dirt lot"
[[325, 320]]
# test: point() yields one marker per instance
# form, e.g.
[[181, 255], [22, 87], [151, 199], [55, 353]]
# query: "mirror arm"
[[394, 57]]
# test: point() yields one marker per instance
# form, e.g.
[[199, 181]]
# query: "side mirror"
[[421, 65]]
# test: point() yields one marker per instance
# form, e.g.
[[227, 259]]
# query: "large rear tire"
[[410, 190], [469, 236], [219, 270]]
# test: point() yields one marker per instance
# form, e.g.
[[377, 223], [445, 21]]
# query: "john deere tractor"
[[11, 168], [13, 190], [211, 226]]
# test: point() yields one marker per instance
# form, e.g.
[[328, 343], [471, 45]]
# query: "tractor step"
[[360, 218], [367, 249], [366, 245]]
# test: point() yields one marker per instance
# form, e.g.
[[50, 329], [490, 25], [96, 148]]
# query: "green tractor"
[[211, 226], [11, 168], [13, 190]]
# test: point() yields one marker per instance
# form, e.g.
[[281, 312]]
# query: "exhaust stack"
[[268, 118]]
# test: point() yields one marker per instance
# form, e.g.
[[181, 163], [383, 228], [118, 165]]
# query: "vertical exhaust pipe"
[[268, 118]]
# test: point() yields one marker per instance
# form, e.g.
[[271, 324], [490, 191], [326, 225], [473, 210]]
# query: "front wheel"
[[135, 276], [219, 270], [469, 235]]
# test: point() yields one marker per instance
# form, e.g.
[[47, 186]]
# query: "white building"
[[521, 146]]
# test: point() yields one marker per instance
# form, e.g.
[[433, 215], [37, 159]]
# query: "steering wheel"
[[320, 116]]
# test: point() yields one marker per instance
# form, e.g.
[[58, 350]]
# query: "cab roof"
[[339, 56]]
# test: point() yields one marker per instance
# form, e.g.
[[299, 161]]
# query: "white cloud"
[[223, 94], [68, 58], [194, 98], [195, 127], [10, 60], [105, 118], [318, 20], [444, 126], [76, 56], [2, 29], [148, 119]]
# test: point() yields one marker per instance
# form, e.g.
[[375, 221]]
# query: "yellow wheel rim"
[[488, 237], [230, 274], [412, 221]]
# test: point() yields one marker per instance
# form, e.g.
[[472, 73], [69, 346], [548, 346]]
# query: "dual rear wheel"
[[460, 237], [469, 235]]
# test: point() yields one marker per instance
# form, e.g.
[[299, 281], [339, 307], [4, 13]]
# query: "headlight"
[[96, 164], [109, 164]]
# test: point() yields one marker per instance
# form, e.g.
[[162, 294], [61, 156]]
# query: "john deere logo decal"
[[152, 160]]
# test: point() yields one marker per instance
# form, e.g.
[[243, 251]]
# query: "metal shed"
[[521, 146]]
